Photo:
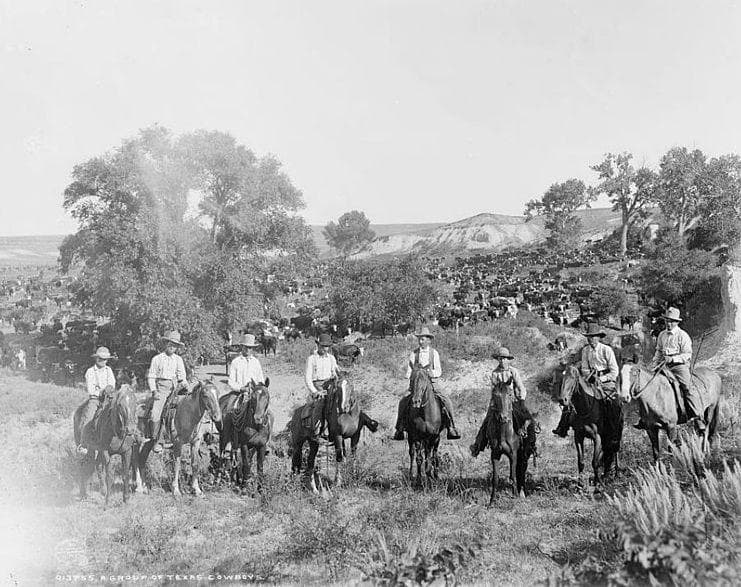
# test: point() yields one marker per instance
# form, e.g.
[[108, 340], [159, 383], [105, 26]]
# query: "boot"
[[640, 425], [562, 429], [157, 436], [398, 435], [475, 450]]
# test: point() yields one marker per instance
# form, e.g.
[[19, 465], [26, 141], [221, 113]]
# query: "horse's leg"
[[420, 456], [672, 433], [260, 466], [339, 459], [298, 448], [411, 460], [311, 462], [195, 465], [597, 457], [126, 473], [494, 477], [653, 436], [140, 457], [521, 471], [105, 459], [176, 448], [512, 456], [435, 462], [86, 469], [579, 442]]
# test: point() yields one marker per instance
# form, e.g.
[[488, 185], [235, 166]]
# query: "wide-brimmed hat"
[[595, 330], [102, 353], [324, 340], [424, 332], [672, 314], [172, 336], [502, 353], [248, 340]]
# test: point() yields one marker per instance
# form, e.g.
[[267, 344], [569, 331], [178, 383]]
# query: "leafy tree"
[[350, 233], [381, 292], [628, 189], [681, 186], [557, 206]]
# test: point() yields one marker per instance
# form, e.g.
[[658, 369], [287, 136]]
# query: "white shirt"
[[97, 379], [243, 370], [165, 366], [319, 367], [424, 359], [675, 343], [601, 358]]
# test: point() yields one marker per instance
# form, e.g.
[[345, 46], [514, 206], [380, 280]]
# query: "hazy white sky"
[[413, 111]]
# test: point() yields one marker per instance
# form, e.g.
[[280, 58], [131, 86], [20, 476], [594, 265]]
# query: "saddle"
[[305, 415]]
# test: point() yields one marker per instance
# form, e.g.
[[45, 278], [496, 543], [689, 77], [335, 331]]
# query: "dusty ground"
[[373, 524]]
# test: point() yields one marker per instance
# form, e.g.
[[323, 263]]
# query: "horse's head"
[[340, 394], [124, 412], [260, 398], [501, 404], [421, 385], [629, 379], [209, 398], [569, 382]]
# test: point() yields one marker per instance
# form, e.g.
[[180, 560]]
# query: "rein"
[[636, 395]]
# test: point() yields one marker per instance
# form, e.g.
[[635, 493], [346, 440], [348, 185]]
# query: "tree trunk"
[[731, 292], [624, 238]]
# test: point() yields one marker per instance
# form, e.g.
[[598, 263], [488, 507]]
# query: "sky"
[[411, 111]]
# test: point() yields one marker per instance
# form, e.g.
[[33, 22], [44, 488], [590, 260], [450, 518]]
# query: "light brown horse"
[[423, 425], [344, 419], [204, 397], [657, 404], [251, 426], [504, 440], [113, 432]]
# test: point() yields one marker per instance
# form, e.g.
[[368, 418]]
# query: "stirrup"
[[157, 448]]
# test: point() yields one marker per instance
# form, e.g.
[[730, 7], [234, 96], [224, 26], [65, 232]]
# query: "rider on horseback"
[[166, 375], [425, 357], [100, 382], [599, 367], [320, 367], [245, 370], [507, 379], [674, 351]]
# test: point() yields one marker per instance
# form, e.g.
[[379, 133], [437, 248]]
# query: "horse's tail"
[[713, 423]]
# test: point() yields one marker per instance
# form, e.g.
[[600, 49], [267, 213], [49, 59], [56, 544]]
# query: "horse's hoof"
[[521, 493]]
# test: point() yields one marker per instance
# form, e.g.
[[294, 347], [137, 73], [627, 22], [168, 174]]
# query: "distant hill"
[[487, 232], [483, 232]]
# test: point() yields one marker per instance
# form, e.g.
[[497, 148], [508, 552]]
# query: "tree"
[[681, 186], [381, 292], [628, 189], [350, 233], [557, 206]]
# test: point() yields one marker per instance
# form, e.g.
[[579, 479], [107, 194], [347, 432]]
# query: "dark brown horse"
[[249, 429], [423, 423], [599, 420], [504, 440], [113, 432], [203, 397], [344, 419], [657, 404]]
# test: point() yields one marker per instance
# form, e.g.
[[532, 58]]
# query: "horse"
[[113, 432], [204, 397], [423, 423], [250, 428], [268, 343], [504, 440], [601, 423], [344, 419], [657, 404]]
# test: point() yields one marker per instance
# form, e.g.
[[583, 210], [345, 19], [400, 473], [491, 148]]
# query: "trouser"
[[164, 388], [91, 407], [317, 412], [692, 401], [448, 421], [522, 418]]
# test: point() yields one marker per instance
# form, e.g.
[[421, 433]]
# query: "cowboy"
[[166, 375], [506, 379], [99, 381], [674, 351], [245, 369], [600, 369], [320, 367], [425, 357]]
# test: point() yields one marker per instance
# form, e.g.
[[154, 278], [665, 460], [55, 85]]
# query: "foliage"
[[680, 186], [674, 274], [150, 265], [350, 233], [381, 292], [558, 205], [628, 189]]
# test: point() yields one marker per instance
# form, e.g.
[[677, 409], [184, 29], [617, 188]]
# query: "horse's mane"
[[421, 385]]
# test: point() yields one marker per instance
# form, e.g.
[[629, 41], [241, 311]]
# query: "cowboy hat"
[[594, 330], [672, 314], [102, 353], [424, 332], [502, 353], [248, 340], [324, 340], [172, 336]]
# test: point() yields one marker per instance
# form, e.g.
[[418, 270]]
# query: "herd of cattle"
[[477, 288]]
